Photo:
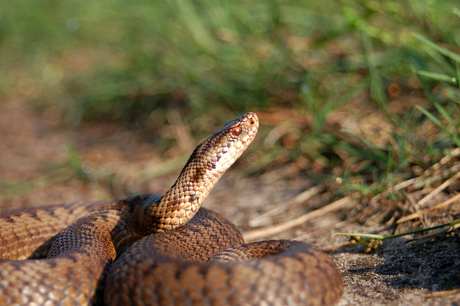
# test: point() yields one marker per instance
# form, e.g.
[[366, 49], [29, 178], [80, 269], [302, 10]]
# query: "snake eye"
[[236, 131]]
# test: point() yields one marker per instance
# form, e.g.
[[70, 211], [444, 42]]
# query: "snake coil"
[[159, 249]]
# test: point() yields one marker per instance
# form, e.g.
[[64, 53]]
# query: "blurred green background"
[[130, 61], [124, 59]]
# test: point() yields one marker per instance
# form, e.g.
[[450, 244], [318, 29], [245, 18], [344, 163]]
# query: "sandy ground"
[[400, 272]]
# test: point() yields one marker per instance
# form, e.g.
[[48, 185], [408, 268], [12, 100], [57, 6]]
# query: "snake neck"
[[182, 201], [205, 167]]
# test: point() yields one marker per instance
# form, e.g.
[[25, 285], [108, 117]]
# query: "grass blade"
[[429, 43], [439, 77]]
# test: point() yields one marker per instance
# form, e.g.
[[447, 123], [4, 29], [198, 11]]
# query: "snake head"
[[223, 148], [206, 165], [215, 155]]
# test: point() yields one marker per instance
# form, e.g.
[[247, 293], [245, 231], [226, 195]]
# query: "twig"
[[272, 230], [441, 293], [300, 198], [442, 162], [340, 224], [421, 212], [423, 239], [430, 171], [438, 189]]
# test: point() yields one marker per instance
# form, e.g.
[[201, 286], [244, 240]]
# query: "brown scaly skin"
[[81, 254], [174, 270], [28, 233], [69, 277]]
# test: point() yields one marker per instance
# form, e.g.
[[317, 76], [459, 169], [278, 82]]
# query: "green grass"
[[122, 56], [124, 60], [372, 241]]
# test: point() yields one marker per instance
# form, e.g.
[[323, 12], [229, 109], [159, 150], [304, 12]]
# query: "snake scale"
[[159, 249]]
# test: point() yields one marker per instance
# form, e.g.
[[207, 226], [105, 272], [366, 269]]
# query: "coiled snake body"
[[159, 250]]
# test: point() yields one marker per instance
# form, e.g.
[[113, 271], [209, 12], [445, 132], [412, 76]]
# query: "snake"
[[159, 249]]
